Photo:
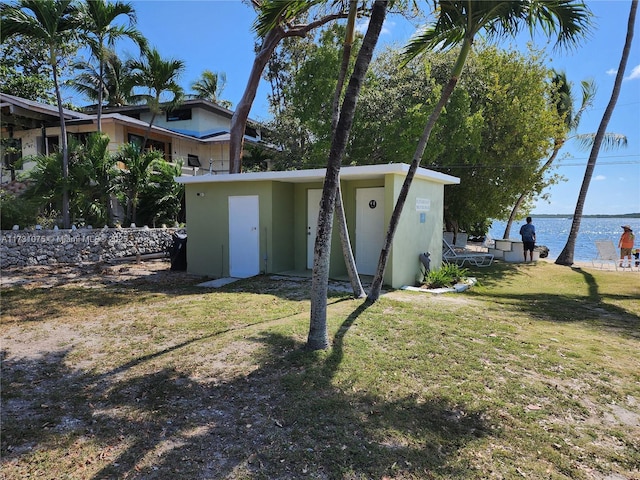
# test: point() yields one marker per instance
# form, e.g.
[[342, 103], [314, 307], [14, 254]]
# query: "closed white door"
[[313, 210], [370, 228], [244, 238]]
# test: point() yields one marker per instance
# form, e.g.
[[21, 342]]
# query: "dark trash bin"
[[178, 252]]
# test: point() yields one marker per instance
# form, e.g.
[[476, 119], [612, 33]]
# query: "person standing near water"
[[625, 244], [528, 233]]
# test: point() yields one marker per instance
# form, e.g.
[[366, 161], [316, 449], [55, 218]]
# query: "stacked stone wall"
[[49, 247]]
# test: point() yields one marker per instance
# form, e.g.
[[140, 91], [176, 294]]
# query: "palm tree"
[[210, 86], [276, 21], [53, 22], [458, 23], [157, 76], [117, 83], [98, 31], [566, 255], [135, 176], [317, 338], [341, 219], [564, 106]]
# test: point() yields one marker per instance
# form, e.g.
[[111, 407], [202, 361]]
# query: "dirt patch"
[[93, 275]]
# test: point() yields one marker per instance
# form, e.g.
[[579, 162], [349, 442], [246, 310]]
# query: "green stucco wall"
[[416, 233], [283, 226]]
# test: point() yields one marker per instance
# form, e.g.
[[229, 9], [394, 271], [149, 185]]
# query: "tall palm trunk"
[[317, 338], [566, 256], [241, 114], [100, 94], [378, 278], [66, 220], [518, 204], [347, 251]]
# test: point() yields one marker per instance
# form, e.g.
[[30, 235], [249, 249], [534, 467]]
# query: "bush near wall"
[[50, 247]]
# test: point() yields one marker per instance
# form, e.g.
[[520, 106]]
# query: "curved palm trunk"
[[378, 278], [516, 207], [147, 132], [347, 251], [566, 256], [241, 114], [318, 338]]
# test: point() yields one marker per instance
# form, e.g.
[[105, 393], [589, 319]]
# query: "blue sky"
[[216, 35]]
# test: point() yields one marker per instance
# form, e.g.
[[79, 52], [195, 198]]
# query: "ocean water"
[[553, 233]]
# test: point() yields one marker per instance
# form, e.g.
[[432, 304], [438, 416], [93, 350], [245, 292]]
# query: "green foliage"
[[497, 128], [146, 182], [16, 211], [25, 70], [447, 275], [161, 198]]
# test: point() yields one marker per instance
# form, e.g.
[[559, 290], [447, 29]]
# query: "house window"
[[151, 144], [251, 132], [53, 145], [179, 114], [193, 161]]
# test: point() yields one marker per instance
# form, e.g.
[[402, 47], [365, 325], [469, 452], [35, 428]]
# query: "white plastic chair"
[[607, 253]]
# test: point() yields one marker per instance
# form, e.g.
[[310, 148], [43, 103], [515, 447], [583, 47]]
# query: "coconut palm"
[[317, 338], [53, 22], [566, 255], [157, 75], [100, 34], [565, 107], [210, 86], [277, 19], [117, 82], [457, 24]]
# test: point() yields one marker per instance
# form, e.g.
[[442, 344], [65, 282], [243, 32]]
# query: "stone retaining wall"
[[48, 247]]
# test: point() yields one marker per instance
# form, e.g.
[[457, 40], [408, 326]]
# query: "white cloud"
[[387, 26], [635, 73], [599, 178]]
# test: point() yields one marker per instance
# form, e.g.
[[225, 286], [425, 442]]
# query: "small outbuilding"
[[265, 222]]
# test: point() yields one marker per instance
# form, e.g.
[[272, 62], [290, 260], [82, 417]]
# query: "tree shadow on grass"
[[280, 421], [595, 307]]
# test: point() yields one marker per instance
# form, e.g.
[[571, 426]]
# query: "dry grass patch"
[[532, 374]]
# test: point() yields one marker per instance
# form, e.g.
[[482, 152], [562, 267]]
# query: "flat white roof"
[[363, 172]]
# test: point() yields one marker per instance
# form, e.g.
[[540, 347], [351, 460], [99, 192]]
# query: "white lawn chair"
[[607, 253], [450, 255]]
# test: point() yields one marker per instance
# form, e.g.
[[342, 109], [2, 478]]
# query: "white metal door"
[[244, 238], [313, 210], [370, 228]]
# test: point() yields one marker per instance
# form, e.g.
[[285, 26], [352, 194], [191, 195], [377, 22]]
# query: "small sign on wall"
[[423, 204]]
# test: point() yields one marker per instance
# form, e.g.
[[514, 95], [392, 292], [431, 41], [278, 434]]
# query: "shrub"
[[449, 274]]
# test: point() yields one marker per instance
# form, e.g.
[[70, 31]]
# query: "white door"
[[370, 228], [313, 210], [244, 238]]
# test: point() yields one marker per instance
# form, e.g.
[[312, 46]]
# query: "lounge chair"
[[461, 240], [448, 236], [450, 255], [607, 253]]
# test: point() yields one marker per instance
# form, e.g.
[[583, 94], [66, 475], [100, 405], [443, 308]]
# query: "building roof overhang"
[[364, 172]]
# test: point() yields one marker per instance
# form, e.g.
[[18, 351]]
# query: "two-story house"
[[197, 133]]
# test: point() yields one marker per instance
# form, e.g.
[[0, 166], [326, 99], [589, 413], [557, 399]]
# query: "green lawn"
[[533, 373]]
